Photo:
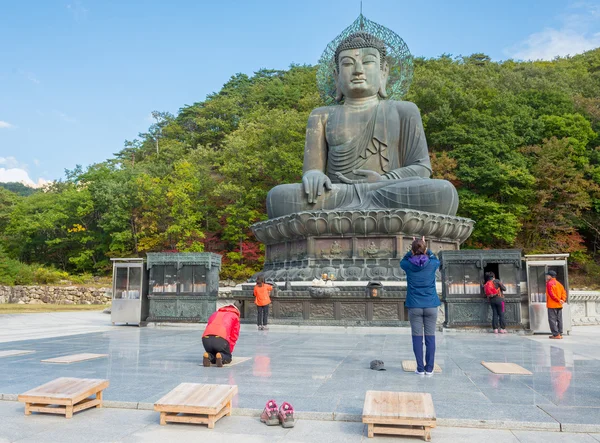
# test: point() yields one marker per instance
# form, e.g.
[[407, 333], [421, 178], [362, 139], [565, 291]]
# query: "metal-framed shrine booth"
[[462, 279], [183, 287]]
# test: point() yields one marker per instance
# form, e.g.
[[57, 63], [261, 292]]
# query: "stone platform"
[[358, 245], [348, 305]]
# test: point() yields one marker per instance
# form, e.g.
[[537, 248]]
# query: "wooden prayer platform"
[[399, 413], [196, 403], [64, 396], [75, 358]]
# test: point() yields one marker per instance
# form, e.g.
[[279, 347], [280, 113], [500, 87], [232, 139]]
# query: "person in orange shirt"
[[262, 298], [556, 296]]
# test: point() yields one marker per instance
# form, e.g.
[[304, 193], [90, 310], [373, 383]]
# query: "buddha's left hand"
[[369, 177]]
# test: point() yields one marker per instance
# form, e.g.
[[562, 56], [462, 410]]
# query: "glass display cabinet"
[[462, 285], [183, 286], [537, 266], [129, 292]]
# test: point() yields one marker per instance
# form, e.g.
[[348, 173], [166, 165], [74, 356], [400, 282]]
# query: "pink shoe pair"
[[273, 416]]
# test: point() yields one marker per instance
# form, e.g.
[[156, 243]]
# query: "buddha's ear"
[[385, 72], [338, 92]]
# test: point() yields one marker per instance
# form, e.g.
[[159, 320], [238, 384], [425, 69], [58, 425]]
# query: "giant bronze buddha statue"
[[367, 153]]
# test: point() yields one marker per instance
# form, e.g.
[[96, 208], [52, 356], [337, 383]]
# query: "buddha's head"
[[361, 67]]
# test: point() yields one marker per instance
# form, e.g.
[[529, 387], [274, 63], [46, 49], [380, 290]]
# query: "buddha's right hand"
[[313, 182]]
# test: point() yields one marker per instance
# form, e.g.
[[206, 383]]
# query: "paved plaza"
[[323, 372]]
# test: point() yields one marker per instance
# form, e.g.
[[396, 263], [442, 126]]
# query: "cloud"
[[20, 176], [29, 76], [78, 11], [580, 32], [32, 78], [11, 162], [552, 43], [64, 117], [5, 125]]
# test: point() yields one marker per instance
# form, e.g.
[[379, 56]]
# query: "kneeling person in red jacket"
[[221, 335]]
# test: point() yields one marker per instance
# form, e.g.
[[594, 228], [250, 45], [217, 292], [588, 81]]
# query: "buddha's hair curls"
[[359, 40]]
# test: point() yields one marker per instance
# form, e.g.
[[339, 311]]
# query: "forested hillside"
[[520, 140]]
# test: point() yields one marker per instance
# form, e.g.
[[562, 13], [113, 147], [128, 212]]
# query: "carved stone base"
[[181, 308], [343, 305], [352, 245]]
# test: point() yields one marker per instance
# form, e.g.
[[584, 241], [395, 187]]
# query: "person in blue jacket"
[[422, 301]]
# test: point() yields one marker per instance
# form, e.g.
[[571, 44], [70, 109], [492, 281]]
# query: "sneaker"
[[265, 328], [219, 359], [206, 360], [270, 415], [495, 331], [428, 374], [419, 373], [503, 331], [286, 415]]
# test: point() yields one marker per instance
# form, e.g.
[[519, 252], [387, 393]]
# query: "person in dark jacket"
[[422, 301], [494, 291], [220, 336]]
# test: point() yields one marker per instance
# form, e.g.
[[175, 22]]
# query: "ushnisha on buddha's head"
[[361, 67]]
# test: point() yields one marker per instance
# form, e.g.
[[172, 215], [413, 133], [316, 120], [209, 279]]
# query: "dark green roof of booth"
[[207, 259]]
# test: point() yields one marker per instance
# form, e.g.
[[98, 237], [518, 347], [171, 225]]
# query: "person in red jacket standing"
[[556, 296], [220, 336]]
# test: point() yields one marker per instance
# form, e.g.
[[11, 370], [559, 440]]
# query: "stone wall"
[[60, 295], [585, 307]]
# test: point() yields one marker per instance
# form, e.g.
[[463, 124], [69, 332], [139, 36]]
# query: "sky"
[[80, 77]]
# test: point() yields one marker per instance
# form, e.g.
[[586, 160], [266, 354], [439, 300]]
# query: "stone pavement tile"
[[575, 419], [90, 434], [192, 434], [595, 436], [552, 437], [497, 381], [14, 424], [95, 425], [462, 435], [350, 405], [331, 432], [494, 415], [566, 395], [524, 396], [459, 397]]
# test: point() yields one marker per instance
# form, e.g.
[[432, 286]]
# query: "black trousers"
[[213, 344], [555, 320], [263, 315], [497, 313]]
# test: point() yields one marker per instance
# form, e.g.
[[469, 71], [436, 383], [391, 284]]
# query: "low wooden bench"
[[196, 403], [399, 413], [64, 396]]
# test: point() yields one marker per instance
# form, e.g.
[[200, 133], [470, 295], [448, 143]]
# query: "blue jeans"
[[422, 323]]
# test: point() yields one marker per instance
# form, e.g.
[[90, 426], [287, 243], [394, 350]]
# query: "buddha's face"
[[359, 73]]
